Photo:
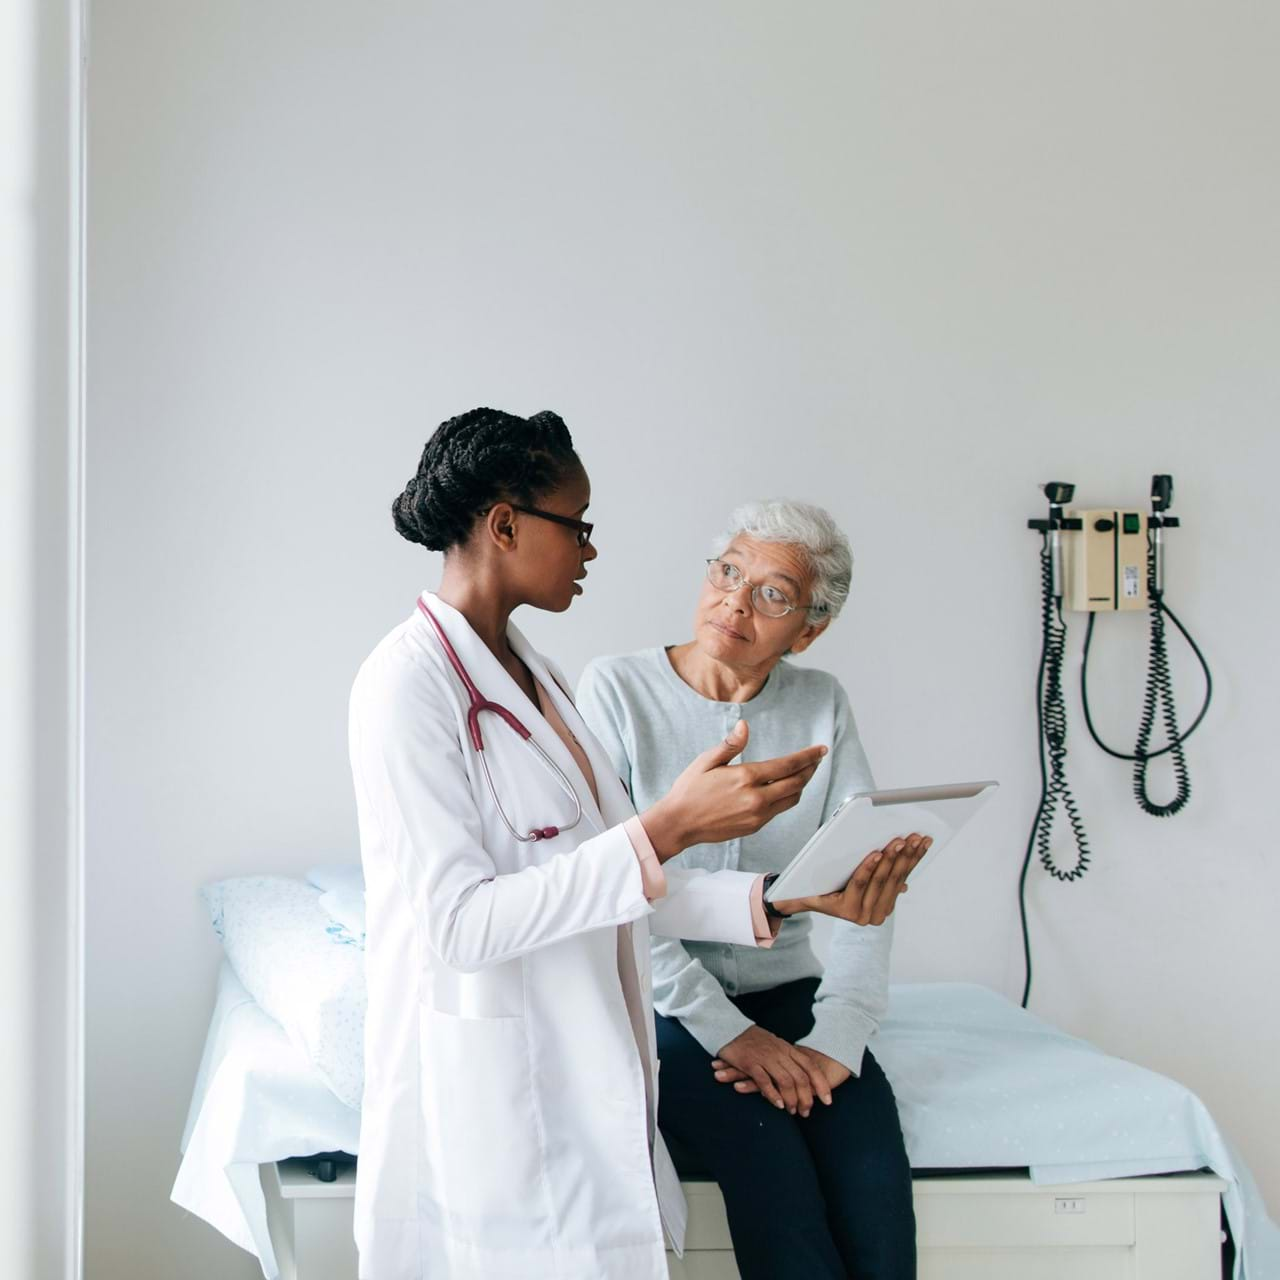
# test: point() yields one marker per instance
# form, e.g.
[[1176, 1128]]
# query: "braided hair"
[[472, 461]]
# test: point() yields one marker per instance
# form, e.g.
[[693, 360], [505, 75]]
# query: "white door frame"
[[43, 81]]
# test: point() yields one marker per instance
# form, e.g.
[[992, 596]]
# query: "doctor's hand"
[[833, 1072], [874, 888], [788, 1075], [713, 800]]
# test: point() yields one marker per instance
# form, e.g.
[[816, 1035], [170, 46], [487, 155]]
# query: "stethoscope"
[[479, 704]]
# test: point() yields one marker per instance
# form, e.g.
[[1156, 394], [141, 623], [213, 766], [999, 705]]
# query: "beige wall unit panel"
[[1104, 563]]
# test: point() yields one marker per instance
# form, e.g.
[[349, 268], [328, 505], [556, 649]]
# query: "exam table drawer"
[[968, 1213], [1020, 1214]]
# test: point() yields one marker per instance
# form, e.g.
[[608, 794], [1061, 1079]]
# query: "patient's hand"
[[786, 1074], [874, 888], [821, 1069]]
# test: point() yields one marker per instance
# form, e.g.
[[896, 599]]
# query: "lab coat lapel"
[[551, 741], [615, 807], [615, 804]]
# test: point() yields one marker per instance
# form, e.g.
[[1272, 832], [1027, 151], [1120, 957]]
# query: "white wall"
[[906, 260]]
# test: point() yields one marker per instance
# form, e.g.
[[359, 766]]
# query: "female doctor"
[[507, 1130]]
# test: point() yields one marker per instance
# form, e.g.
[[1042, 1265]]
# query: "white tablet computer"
[[868, 821]]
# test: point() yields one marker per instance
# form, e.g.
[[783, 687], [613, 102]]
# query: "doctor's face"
[[729, 628], [554, 564]]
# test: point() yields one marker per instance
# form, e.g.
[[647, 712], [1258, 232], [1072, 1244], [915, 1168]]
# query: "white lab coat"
[[508, 1128]]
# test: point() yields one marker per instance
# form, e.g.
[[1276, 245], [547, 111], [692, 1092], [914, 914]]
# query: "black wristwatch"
[[769, 909]]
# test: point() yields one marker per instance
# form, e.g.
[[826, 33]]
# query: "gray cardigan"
[[652, 724]]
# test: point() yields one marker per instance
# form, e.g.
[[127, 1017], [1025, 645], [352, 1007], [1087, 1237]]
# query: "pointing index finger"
[[784, 766]]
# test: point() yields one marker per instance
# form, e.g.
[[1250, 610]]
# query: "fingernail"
[[823, 751], [827, 1099], [780, 1105]]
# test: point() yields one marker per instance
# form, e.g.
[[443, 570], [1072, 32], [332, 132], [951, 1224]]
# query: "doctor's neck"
[[480, 598]]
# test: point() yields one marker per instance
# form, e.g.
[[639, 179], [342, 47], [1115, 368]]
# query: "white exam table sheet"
[[257, 1099], [980, 1083]]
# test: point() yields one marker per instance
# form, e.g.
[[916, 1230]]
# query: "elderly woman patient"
[[767, 1077]]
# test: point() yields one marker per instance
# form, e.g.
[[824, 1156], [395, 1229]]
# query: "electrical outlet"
[[1068, 1205]]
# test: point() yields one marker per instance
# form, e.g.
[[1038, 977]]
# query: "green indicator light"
[[1132, 523]]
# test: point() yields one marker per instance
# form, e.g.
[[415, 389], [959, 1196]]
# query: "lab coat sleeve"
[[655, 883], [854, 991], [651, 873], [706, 906], [408, 760]]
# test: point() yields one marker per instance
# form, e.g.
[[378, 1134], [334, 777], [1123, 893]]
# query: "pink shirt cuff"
[[652, 876], [765, 926]]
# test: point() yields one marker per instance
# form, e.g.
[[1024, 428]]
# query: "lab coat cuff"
[[706, 906], [840, 1033], [766, 926], [652, 876]]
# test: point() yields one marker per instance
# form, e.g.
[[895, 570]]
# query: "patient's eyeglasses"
[[771, 601], [583, 528]]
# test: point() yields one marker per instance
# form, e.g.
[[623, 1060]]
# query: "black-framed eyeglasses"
[[772, 602], [582, 527]]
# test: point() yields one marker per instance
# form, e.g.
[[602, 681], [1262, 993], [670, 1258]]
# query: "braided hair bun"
[[474, 460]]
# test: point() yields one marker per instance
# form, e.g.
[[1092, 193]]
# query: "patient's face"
[[729, 629]]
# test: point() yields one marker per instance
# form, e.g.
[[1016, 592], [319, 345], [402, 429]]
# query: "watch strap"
[[769, 909]]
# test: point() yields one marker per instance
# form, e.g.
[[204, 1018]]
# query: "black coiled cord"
[[1159, 691], [1051, 720]]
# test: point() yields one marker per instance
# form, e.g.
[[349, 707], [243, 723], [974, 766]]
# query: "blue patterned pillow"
[[345, 909], [278, 939]]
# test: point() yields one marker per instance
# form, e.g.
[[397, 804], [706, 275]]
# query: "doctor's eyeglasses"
[[773, 602], [583, 528]]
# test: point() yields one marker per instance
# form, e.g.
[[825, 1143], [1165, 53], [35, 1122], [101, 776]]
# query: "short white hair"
[[809, 527]]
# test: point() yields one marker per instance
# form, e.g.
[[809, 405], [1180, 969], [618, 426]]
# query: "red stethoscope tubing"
[[479, 703]]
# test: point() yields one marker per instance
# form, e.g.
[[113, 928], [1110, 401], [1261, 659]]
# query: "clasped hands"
[[791, 1075]]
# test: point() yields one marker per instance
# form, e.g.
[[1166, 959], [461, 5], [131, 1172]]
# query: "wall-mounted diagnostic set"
[[1102, 560]]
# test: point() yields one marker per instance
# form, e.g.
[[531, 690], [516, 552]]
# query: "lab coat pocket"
[[494, 992], [479, 1120]]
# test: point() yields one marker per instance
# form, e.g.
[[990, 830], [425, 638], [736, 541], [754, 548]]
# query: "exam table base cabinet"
[[980, 1227]]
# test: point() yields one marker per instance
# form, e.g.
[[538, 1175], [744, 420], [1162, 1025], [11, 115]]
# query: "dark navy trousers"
[[822, 1198]]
